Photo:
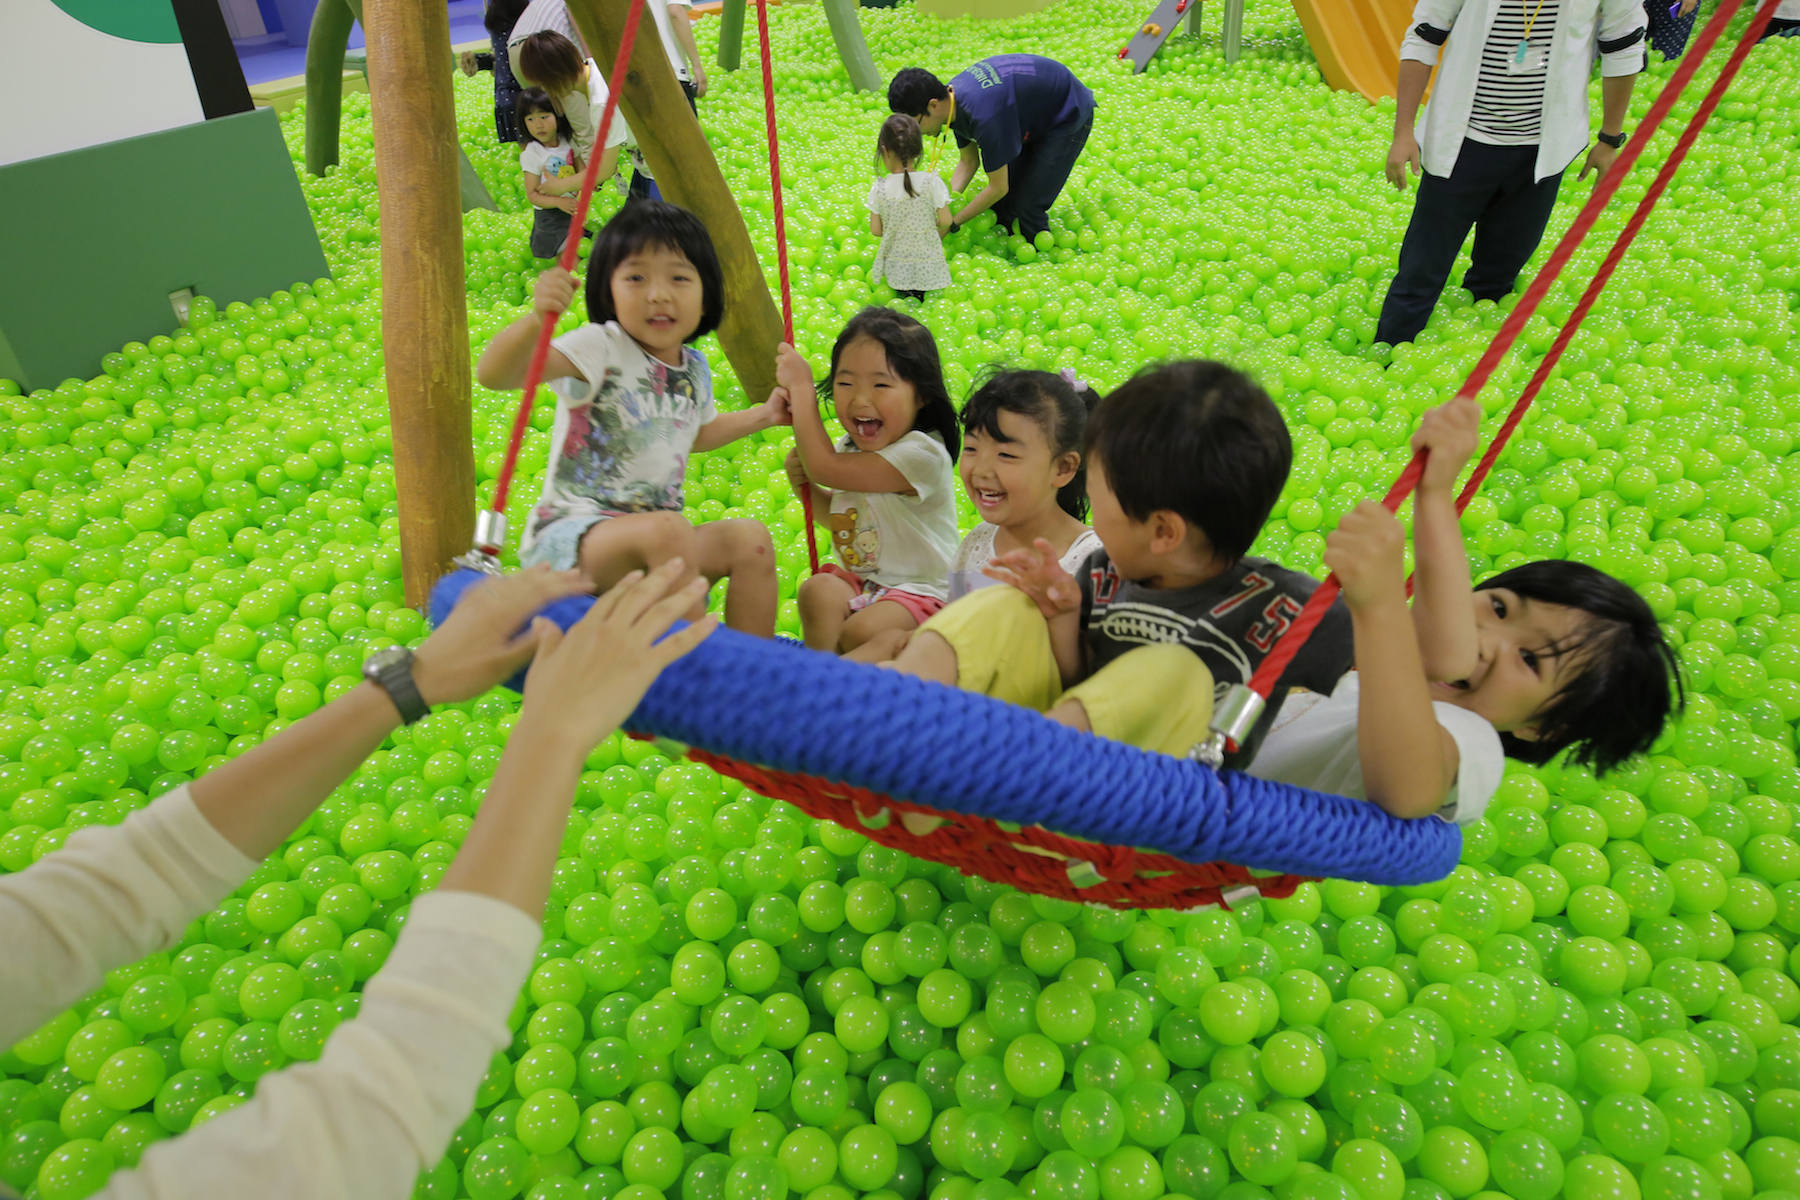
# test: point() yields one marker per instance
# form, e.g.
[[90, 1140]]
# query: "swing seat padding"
[[874, 730]]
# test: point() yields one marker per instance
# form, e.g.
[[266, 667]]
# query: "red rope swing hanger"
[[1039, 860]]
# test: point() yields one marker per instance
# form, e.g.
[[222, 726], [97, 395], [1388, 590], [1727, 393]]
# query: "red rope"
[[1639, 216], [781, 254], [540, 354], [1270, 670]]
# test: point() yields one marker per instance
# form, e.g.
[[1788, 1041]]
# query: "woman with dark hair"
[[499, 18]]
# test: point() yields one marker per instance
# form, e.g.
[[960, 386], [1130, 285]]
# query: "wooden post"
[[731, 34], [424, 316], [846, 31], [687, 174], [325, 45]]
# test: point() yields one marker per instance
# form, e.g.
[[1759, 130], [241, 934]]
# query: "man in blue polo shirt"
[[1021, 117]]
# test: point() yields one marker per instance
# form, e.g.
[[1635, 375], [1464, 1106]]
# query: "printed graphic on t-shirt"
[[1231, 622], [628, 451], [856, 540], [1149, 625]]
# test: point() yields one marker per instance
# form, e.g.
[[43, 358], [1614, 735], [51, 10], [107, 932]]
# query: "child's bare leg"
[[881, 617], [612, 549], [882, 648], [928, 655], [1072, 714], [741, 551], [824, 605]]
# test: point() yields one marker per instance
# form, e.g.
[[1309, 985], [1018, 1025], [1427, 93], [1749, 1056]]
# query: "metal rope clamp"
[[490, 537], [1232, 720]]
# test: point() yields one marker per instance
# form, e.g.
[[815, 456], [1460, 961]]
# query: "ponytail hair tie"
[[1069, 376]]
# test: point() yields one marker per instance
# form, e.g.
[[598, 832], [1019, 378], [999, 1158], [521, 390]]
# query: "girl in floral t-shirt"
[[634, 400]]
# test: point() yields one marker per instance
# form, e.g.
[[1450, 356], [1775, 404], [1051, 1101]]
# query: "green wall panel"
[[133, 20], [87, 266]]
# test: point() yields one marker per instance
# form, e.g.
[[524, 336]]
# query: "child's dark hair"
[[901, 138], [1049, 400], [536, 100], [1626, 682], [1197, 438], [643, 224], [913, 90], [550, 61], [912, 355]]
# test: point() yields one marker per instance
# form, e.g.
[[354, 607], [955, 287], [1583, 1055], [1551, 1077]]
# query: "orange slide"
[[1357, 42]]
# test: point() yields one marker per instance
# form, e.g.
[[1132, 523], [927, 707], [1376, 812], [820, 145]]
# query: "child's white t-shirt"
[[1313, 745], [584, 109], [977, 549], [911, 256], [622, 438], [896, 540], [548, 162]]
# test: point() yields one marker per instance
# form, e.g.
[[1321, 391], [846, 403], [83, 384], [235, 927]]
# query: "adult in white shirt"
[[382, 1101], [1508, 115], [578, 89], [674, 26]]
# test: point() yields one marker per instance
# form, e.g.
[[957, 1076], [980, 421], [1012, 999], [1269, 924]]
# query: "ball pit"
[[198, 546]]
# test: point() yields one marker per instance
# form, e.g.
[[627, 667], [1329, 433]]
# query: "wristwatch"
[[955, 225], [391, 671], [1615, 140]]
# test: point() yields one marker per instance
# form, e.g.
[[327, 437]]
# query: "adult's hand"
[[485, 640], [1599, 160], [1402, 154], [700, 72], [583, 684]]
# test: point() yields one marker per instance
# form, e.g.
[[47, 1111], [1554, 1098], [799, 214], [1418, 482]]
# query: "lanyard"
[[1529, 21], [937, 143]]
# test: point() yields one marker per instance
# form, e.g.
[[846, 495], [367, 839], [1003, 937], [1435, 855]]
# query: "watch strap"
[[1615, 140], [396, 679]]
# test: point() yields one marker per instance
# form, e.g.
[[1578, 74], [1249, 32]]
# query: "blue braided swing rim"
[[814, 714]]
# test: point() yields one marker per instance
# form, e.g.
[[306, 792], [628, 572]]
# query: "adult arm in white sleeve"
[[1622, 37], [1431, 23], [382, 1102], [384, 1099], [113, 895], [110, 896]]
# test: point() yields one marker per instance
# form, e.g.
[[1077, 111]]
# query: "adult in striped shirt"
[[1508, 115]]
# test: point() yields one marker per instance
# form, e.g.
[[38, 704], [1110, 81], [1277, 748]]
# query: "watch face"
[[381, 660]]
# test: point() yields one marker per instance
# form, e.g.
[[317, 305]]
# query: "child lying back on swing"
[[1543, 657]]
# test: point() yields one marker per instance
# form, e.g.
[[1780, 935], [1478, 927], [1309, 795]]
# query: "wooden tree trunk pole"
[[423, 309], [689, 175], [325, 45], [731, 34], [846, 31]]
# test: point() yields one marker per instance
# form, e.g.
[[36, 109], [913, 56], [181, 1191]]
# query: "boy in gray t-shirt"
[[1184, 463]]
